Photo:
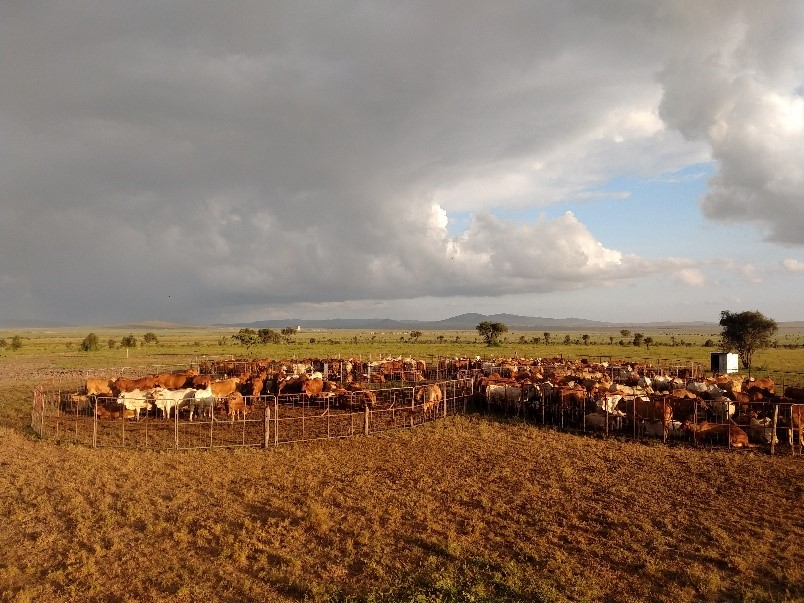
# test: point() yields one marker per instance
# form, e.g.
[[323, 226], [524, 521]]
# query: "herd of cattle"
[[727, 408], [604, 396]]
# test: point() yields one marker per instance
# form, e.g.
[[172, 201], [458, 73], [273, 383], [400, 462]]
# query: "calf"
[[108, 408], [236, 406]]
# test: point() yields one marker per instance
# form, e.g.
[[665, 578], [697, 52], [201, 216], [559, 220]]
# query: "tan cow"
[[236, 406], [98, 386], [430, 397], [225, 387]]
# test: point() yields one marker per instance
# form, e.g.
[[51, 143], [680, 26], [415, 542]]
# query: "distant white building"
[[724, 363]]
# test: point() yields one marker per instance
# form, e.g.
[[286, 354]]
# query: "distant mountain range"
[[461, 322]]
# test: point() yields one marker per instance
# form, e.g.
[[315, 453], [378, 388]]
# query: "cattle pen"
[[673, 405], [273, 420]]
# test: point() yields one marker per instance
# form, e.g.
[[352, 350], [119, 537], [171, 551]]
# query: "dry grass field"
[[464, 509]]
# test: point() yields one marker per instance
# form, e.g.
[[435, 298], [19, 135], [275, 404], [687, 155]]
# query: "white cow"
[[136, 400], [200, 403], [168, 399], [504, 396], [608, 404]]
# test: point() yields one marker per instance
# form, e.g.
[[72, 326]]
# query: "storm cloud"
[[174, 161]]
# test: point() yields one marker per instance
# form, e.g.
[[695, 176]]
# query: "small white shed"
[[724, 363]]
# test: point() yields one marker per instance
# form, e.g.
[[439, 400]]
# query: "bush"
[[90, 343], [16, 343], [149, 337], [129, 341]]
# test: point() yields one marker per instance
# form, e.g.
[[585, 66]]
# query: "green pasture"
[[60, 348]]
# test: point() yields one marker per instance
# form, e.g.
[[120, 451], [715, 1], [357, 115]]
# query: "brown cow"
[[173, 380], [202, 381], [713, 431], [644, 409], [312, 387], [796, 423], [766, 387], [121, 384], [356, 397], [796, 393], [684, 408]]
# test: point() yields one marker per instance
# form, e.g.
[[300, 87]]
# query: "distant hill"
[[462, 322]]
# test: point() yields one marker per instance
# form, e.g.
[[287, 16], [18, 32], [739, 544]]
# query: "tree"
[[129, 341], [546, 336], [638, 337], [567, 339], [585, 338], [648, 341], [625, 333], [90, 343], [491, 331], [746, 332], [111, 343], [288, 333], [247, 337], [414, 335], [16, 343], [268, 336], [149, 337], [3, 343]]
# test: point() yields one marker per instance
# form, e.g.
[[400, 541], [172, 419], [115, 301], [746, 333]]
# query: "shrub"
[[90, 343], [129, 341]]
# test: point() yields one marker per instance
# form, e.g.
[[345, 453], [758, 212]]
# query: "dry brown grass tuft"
[[467, 509]]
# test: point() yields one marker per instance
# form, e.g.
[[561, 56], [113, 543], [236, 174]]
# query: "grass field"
[[465, 509]]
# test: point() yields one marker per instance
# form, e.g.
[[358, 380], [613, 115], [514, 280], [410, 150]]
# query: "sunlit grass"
[[464, 509]]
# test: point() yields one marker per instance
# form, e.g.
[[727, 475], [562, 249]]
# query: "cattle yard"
[[265, 402], [481, 505]]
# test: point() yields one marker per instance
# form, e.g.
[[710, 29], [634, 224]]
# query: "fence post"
[[175, 425], [445, 401], [366, 412], [266, 426], [773, 427], [276, 421]]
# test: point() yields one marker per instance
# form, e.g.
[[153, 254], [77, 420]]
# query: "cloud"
[[185, 162], [738, 87], [794, 266], [692, 277]]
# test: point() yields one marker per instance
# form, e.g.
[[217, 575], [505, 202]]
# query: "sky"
[[203, 162]]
